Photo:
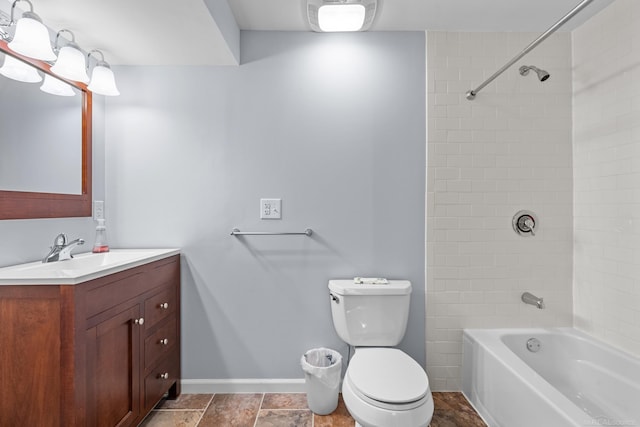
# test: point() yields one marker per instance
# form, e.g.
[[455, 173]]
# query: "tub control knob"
[[525, 223]]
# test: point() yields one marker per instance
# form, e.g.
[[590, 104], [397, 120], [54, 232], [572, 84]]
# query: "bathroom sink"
[[82, 267]]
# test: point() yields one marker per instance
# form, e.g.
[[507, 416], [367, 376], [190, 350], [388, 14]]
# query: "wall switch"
[[270, 208], [98, 209]]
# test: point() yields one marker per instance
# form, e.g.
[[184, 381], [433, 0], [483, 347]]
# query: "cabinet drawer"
[[161, 342], [113, 293], [165, 272], [160, 379], [160, 306], [109, 291]]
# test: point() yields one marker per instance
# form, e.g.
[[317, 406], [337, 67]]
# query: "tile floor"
[[284, 410]]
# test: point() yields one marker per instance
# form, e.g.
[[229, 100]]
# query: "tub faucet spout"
[[529, 298]]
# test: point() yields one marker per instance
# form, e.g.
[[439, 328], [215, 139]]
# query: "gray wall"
[[334, 124]]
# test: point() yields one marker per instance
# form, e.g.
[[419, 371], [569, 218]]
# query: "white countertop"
[[83, 267]]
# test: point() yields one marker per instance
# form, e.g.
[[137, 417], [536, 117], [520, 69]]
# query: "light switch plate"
[[98, 209], [270, 208]]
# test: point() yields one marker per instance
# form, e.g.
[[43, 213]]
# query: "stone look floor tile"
[[232, 410], [284, 418], [180, 418], [186, 401], [338, 418], [286, 410], [453, 410], [285, 401]]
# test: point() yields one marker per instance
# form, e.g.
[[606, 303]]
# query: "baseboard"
[[248, 385]]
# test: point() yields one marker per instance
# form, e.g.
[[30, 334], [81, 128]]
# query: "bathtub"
[[562, 377]]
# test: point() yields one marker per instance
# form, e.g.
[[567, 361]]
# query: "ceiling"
[[200, 32], [418, 15]]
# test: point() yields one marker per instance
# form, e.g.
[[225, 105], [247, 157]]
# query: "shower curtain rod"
[[472, 93]]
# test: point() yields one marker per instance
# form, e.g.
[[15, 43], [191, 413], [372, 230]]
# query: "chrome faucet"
[[529, 298], [61, 249]]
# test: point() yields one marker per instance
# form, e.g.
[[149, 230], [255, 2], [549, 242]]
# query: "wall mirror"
[[45, 146]]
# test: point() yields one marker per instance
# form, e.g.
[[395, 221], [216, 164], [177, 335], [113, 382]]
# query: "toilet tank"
[[370, 315]]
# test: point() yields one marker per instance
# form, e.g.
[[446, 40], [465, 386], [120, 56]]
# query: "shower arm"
[[472, 93]]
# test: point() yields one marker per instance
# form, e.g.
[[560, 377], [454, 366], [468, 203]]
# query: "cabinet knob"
[[164, 341], [139, 321], [164, 376], [164, 305]]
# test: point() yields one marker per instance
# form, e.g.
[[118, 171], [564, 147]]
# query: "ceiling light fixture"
[[17, 70], [341, 15], [70, 64], [103, 81], [31, 37]]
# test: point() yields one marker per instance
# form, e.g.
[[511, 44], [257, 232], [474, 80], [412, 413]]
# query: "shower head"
[[542, 74]]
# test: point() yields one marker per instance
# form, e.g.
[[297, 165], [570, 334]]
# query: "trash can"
[[322, 370]]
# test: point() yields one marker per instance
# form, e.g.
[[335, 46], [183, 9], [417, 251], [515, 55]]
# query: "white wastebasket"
[[322, 370]]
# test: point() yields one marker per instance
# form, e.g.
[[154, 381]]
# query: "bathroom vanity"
[[93, 341]]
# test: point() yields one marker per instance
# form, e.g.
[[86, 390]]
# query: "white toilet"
[[383, 386]]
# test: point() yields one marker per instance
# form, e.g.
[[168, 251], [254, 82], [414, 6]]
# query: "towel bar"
[[236, 232]]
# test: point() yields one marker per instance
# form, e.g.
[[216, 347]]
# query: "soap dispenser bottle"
[[100, 244]]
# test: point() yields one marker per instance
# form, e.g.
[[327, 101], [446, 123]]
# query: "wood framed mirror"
[[34, 193]]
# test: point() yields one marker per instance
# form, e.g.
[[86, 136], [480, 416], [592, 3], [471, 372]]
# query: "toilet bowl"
[[384, 387]]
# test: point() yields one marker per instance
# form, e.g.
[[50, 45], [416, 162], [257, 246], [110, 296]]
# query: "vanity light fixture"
[[341, 15], [103, 81], [70, 64], [31, 37], [17, 70], [55, 86]]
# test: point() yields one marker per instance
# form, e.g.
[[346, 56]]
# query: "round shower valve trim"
[[525, 223]]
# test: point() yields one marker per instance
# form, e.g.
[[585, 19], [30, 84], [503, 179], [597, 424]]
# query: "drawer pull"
[[164, 376], [164, 305], [164, 341], [139, 321]]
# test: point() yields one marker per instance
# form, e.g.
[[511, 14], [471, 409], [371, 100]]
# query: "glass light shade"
[[17, 70], [56, 86], [341, 17], [71, 64], [103, 81], [32, 38]]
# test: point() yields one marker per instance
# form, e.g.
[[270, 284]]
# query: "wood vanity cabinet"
[[98, 353]]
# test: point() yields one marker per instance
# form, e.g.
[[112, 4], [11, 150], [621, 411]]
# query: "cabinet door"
[[30, 357], [113, 363]]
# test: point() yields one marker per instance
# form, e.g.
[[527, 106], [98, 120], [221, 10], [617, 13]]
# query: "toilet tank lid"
[[348, 287]]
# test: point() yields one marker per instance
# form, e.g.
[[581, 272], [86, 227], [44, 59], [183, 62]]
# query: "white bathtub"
[[572, 380]]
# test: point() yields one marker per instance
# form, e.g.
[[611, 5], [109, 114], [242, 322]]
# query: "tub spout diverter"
[[529, 298]]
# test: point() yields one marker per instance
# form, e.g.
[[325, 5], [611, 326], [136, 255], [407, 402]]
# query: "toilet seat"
[[387, 378]]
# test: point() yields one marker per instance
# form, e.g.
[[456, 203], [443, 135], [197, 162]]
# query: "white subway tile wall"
[[509, 149], [606, 118]]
